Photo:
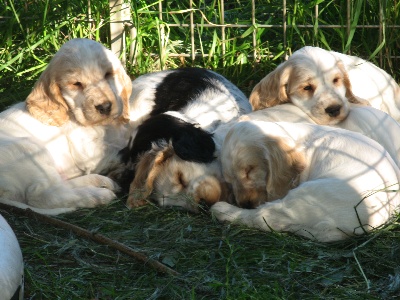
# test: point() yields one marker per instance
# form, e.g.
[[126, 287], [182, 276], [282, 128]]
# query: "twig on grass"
[[96, 237]]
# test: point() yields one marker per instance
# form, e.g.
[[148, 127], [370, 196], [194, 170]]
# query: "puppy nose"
[[333, 110], [104, 108], [248, 204]]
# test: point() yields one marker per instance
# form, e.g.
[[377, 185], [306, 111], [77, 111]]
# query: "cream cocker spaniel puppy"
[[172, 181], [320, 182], [323, 83], [54, 145]]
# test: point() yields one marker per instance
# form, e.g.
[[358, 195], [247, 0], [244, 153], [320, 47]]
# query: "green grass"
[[215, 261]]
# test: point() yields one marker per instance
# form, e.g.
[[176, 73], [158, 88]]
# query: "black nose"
[[248, 204], [333, 111], [104, 108]]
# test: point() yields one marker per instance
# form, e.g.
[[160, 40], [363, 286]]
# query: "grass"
[[215, 261]]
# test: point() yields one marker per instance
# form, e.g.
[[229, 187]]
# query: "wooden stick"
[[96, 237]]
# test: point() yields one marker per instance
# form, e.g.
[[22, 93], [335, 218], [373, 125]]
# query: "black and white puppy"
[[181, 106]]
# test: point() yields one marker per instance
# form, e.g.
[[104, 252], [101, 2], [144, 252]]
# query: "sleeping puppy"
[[319, 182], [323, 83], [181, 106], [366, 120], [169, 179], [202, 96], [69, 129]]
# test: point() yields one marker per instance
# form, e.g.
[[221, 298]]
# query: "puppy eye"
[[308, 88], [78, 84], [108, 74], [336, 80]]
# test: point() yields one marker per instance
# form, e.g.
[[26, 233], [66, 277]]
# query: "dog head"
[[84, 81], [259, 167], [312, 79], [170, 181]]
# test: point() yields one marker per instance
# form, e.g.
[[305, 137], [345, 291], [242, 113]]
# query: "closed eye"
[[108, 74], [78, 84], [181, 180]]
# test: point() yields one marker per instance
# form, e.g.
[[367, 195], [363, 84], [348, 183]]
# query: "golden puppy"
[[69, 130], [313, 79], [320, 182], [169, 180]]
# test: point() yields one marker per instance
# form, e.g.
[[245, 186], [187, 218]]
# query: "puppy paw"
[[133, 202], [94, 180], [94, 196], [224, 211]]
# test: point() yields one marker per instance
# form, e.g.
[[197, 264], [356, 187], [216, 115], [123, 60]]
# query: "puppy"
[[168, 180], [370, 83], [184, 106], [320, 182], [11, 264], [69, 129], [201, 96], [366, 120], [323, 83]]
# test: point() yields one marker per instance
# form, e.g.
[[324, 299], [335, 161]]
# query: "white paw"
[[94, 180], [224, 211], [94, 196]]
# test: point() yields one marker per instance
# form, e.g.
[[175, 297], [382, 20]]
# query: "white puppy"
[[68, 128], [322, 83], [322, 183], [367, 120], [172, 181]]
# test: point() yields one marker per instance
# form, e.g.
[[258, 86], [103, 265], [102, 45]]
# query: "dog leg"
[[325, 210], [94, 180]]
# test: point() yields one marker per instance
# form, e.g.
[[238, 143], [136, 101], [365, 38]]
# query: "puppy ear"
[[125, 94], [192, 143], [45, 102], [285, 164], [349, 91], [149, 165], [272, 89]]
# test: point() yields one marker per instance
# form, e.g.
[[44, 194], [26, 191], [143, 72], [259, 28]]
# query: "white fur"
[[317, 80], [11, 263], [219, 103], [53, 144], [367, 120], [349, 184], [212, 106], [171, 181], [168, 191], [369, 82]]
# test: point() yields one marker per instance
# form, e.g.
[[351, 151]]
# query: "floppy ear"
[[272, 89], [149, 165], [193, 143], [45, 102], [349, 91], [125, 94], [285, 164]]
